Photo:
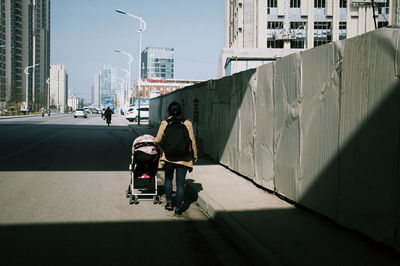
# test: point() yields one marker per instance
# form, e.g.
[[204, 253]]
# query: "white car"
[[80, 112], [133, 113]]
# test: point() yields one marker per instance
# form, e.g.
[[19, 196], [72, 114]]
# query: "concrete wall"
[[320, 127]]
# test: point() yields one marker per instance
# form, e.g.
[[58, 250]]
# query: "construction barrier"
[[320, 127]]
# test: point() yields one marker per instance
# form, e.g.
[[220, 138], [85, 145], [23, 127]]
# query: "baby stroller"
[[143, 167]]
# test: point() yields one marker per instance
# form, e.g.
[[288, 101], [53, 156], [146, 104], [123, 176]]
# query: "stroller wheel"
[[136, 199], [131, 200], [128, 192], [155, 200]]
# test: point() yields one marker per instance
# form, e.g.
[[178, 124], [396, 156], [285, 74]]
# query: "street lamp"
[[26, 82], [48, 93], [142, 28], [130, 60]]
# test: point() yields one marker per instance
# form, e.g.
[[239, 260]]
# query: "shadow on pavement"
[[109, 243], [46, 147], [287, 240]]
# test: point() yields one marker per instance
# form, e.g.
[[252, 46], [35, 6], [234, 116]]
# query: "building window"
[[383, 8], [382, 24], [297, 25], [342, 30], [275, 44], [343, 4], [322, 33], [275, 25], [322, 25], [319, 3], [299, 28], [295, 3], [272, 3], [298, 43]]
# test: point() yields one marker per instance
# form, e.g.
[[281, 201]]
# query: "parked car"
[[133, 113], [80, 112]]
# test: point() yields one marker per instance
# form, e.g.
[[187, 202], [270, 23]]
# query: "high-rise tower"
[[24, 42]]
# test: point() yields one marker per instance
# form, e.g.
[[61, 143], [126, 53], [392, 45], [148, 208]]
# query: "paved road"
[[62, 201]]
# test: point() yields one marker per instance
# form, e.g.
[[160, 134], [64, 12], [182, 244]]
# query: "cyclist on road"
[[108, 114]]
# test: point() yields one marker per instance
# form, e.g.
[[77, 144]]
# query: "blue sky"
[[85, 33]]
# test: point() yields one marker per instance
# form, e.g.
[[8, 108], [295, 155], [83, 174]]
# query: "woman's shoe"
[[178, 213], [169, 207]]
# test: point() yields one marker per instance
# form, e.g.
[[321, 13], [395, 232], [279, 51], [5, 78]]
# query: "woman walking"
[[176, 138]]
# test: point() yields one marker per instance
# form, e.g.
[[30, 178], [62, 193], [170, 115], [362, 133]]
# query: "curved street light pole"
[[48, 93], [27, 83], [130, 60], [142, 28]]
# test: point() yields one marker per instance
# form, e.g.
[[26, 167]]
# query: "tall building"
[[108, 85], [281, 27], [96, 90], [58, 88], [157, 63], [24, 42]]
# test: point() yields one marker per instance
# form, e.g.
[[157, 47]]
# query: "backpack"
[[176, 142]]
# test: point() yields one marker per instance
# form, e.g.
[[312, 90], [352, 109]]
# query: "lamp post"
[[130, 60], [142, 28], [27, 84], [48, 93]]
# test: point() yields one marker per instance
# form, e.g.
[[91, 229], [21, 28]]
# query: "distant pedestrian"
[[107, 115], [176, 137]]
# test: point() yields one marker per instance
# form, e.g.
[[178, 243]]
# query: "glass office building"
[[157, 63], [108, 85]]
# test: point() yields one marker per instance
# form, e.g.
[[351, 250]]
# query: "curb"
[[23, 116], [17, 116], [246, 243]]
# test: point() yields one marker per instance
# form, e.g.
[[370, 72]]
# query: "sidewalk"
[[270, 231], [24, 116]]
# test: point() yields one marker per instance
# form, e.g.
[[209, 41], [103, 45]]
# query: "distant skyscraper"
[[158, 63], [58, 87], [108, 85], [96, 90], [17, 24]]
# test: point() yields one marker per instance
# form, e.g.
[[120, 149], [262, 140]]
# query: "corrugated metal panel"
[[246, 124], [287, 124], [319, 172], [264, 124], [369, 136]]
